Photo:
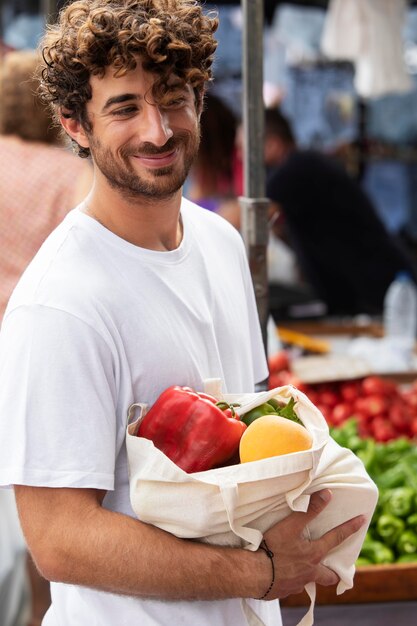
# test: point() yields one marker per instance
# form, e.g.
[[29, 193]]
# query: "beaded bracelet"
[[270, 555]]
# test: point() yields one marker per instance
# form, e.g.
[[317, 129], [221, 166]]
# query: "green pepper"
[[258, 411], [377, 552], [389, 528], [366, 453], [275, 404], [391, 478], [412, 522], [407, 542], [400, 502]]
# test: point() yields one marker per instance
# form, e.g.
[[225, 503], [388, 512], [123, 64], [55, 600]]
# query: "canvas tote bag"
[[236, 504]]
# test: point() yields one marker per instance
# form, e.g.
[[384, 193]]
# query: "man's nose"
[[156, 128]]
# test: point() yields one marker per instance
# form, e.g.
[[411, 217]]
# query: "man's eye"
[[174, 103], [125, 111]]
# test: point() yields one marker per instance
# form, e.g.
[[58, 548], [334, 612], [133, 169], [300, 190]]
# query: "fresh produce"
[[192, 429], [273, 435], [392, 535]]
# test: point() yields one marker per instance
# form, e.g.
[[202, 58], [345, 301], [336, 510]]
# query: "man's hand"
[[297, 559]]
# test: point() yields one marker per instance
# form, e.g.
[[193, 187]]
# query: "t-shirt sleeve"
[[57, 401]]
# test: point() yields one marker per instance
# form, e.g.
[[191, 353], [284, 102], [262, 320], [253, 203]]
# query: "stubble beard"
[[161, 183]]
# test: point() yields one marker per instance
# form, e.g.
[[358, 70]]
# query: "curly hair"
[[21, 112], [170, 36]]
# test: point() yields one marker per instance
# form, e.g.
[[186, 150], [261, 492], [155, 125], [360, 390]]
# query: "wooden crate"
[[373, 583]]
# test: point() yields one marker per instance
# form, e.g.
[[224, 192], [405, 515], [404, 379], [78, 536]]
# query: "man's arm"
[[74, 540]]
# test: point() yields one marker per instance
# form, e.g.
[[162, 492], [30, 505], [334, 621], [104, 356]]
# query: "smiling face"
[[141, 147]]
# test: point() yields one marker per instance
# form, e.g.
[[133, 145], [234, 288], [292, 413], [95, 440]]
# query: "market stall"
[[374, 414]]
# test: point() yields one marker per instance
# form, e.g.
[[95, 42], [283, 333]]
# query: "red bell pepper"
[[191, 429]]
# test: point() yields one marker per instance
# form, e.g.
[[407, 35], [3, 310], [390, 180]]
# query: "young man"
[[136, 290]]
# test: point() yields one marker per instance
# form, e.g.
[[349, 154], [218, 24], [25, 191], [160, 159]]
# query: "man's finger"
[[318, 501], [340, 533], [326, 576]]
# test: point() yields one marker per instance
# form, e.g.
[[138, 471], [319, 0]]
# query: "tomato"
[[312, 395], [413, 427], [410, 398], [329, 398], [278, 379], [364, 429], [349, 391], [341, 412], [279, 361], [375, 385], [382, 430], [326, 412], [400, 418], [372, 405]]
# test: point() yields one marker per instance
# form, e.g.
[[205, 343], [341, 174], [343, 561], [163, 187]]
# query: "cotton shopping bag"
[[236, 504]]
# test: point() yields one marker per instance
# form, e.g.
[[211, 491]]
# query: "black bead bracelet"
[[270, 555]]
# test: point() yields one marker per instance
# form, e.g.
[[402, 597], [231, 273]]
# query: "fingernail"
[[325, 495]]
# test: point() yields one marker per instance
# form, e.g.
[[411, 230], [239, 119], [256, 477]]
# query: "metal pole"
[[254, 204]]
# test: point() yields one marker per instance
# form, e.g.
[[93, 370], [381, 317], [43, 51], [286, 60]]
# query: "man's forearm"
[[113, 552]]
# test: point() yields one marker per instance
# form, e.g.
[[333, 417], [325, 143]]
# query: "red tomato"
[[413, 427], [410, 397], [400, 418], [371, 405], [375, 385], [382, 429], [341, 413], [364, 429], [326, 412], [278, 379], [350, 391], [329, 398], [279, 361], [312, 395]]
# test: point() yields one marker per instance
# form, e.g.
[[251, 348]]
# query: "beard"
[[159, 183]]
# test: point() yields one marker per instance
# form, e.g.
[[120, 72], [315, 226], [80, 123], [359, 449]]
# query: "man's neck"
[[151, 224]]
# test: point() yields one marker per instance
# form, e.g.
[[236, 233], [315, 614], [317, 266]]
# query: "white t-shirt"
[[96, 324]]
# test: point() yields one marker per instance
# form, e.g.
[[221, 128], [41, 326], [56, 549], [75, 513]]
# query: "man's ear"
[[74, 129]]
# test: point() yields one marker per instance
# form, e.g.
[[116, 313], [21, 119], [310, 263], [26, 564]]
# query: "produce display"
[[377, 419], [384, 410], [392, 535]]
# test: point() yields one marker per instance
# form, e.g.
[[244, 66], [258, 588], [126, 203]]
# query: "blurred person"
[[341, 246], [136, 290], [282, 264], [40, 181], [211, 180]]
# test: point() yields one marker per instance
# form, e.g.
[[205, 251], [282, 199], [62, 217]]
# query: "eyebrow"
[[118, 99]]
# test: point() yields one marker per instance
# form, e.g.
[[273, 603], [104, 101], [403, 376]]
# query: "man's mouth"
[[157, 160]]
